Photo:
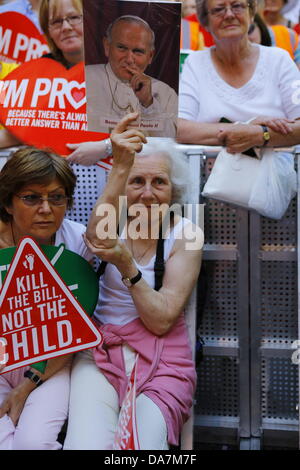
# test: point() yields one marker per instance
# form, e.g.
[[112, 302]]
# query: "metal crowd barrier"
[[248, 391], [248, 301]]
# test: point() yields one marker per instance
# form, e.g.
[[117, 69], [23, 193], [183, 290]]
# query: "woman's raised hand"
[[126, 141]]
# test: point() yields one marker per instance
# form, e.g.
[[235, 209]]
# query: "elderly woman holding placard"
[[141, 307]]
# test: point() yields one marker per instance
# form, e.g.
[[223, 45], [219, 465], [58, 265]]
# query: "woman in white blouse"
[[239, 81]]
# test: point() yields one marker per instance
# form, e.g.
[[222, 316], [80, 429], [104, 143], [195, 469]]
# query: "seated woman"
[[36, 188], [134, 317], [240, 81]]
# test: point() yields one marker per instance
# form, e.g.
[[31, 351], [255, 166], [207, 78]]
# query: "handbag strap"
[[101, 269], [159, 264]]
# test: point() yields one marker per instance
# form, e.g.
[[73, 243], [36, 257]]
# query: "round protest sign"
[[44, 104], [44, 300], [20, 40]]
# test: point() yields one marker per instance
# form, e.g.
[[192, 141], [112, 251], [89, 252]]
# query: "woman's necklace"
[[127, 108], [139, 258]]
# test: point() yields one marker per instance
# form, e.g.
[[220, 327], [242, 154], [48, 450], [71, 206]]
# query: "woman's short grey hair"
[[202, 10], [131, 19], [180, 173]]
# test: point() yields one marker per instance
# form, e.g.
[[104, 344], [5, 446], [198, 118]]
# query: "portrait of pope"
[[122, 85]]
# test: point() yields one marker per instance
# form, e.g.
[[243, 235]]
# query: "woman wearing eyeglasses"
[[240, 81], [36, 188], [62, 24], [61, 21]]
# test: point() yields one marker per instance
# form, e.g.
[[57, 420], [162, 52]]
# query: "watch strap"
[[266, 134], [134, 279], [33, 377]]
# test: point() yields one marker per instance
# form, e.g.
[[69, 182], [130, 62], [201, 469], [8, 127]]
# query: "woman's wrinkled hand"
[[117, 254], [126, 141], [14, 402], [240, 137], [86, 153], [280, 125]]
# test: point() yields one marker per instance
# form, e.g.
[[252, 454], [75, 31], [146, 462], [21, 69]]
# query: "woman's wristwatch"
[[130, 282], [266, 135], [36, 379]]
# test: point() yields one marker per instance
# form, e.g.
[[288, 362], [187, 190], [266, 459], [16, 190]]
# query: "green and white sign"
[[46, 294]]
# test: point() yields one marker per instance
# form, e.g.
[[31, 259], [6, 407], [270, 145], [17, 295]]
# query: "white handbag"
[[266, 185]]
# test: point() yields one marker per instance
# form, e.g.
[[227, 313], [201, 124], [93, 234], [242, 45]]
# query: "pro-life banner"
[[44, 104], [42, 315], [20, 40]]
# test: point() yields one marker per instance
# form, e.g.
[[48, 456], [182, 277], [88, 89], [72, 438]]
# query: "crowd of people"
[[243, 66]]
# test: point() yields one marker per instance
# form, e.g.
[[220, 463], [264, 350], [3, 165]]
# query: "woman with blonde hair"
[[65, 40], [62, 24]]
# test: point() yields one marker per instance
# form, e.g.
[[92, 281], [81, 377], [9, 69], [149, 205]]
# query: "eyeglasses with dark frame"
[[57, 23], [35, 200], [236, 8]]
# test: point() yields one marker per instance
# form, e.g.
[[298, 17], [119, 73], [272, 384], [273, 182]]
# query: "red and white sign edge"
[[128, 431], [134, 425], [106, 163], [98, 336]]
